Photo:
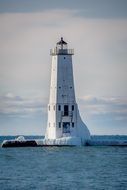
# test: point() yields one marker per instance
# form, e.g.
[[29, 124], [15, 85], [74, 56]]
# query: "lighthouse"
[[64, 126], [64, 121]]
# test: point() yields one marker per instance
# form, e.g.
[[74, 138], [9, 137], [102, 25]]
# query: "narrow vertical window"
[[72, 107], [49, 108], [49, 124], [59, 107], [54, 108], [73, 124], [59, 124], [66, 110]]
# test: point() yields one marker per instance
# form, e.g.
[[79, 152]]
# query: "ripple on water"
[[69, 168]]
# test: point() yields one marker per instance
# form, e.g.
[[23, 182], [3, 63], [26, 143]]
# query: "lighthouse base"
[[64, 141], [61, 142]]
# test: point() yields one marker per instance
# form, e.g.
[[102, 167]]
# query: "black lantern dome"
[[62, 44]]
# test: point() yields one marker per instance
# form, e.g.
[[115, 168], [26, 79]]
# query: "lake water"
[[63, 168]]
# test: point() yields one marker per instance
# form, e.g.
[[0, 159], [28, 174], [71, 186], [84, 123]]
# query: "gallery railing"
[[57, 51]]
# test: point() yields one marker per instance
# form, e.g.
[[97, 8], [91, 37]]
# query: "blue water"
[[63, 168]]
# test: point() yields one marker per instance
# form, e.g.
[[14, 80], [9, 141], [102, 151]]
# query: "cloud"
[[104, 115], [16, 106], [99, 63], [90, 106], [110, 107], [99, 47], [28, 115], [88, 9]]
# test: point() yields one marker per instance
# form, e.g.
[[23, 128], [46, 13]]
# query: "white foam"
[[20, 138], [70, 141]]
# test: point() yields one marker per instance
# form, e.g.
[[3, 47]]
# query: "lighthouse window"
[[73, 124], [54, 107], [49, 124], [64, 57], [49, 108], [59, 107], [72, 107], [59, 124], [66, 110]]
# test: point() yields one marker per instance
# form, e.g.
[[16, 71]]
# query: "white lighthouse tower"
[[64, 121]]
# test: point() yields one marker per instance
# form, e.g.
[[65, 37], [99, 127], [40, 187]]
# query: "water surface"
[[59, 168]]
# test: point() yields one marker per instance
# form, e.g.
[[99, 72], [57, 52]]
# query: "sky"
[[96, 29]]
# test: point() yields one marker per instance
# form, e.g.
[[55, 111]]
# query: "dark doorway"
[[66, 110], [66, 127]]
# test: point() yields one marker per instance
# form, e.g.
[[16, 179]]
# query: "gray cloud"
[[88, 8], [104, 115], [11, 105], [23, 115], [115, 107]]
